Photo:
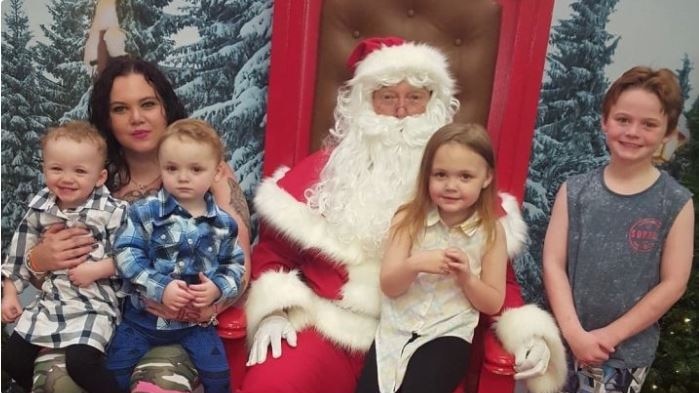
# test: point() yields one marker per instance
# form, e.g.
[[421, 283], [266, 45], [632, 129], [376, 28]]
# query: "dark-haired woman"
[[132, 103]]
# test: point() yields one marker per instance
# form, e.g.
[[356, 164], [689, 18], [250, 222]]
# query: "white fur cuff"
[[517, 325]]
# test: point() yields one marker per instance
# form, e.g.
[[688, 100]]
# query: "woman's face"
[[136, 114]]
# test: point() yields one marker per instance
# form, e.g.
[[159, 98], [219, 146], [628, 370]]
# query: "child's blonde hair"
[[78, 131], [473, 137], [197, 130]]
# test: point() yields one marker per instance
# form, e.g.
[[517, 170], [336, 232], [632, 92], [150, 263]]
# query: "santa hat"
[[381, 61]]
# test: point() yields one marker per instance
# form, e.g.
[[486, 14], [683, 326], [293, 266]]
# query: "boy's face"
[[72, 170], [636, 126], [188, 168]]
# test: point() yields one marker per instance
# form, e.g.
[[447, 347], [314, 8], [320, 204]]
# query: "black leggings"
[[84, 364], [436, 367]]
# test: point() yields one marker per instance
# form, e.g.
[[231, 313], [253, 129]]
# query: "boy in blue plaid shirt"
[[178, 248], [77, 308]]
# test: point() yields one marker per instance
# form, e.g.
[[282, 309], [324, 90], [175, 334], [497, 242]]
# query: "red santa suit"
[[329, 291], [328, 287]]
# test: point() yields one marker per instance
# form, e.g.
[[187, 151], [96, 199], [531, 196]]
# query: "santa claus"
[[314, 300]]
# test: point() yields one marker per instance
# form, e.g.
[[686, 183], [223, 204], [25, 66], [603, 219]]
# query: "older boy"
[[618, 250]]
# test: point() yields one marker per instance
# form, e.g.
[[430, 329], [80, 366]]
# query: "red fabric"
[[274, 252], [321, 367], [366, 46]]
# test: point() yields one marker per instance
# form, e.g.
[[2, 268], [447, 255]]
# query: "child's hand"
[[11, 309], [587, 349], [205, 293], [84, 274], [177, 295], [431, 261], [458, 263]]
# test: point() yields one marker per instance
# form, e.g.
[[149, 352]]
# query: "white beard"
[[370, 174]]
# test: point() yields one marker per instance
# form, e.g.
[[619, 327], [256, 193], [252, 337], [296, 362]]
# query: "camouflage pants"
[[605, 379], [162, 370]]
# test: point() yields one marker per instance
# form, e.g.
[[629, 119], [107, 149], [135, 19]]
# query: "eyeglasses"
[[415, 100]]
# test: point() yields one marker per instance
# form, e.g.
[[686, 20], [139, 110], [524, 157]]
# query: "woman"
[[132, 103]]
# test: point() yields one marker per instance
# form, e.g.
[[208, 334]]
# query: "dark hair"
[[99, 114], [662, 82]]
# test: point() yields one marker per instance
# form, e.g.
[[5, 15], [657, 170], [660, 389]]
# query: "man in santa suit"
[[314, 300]]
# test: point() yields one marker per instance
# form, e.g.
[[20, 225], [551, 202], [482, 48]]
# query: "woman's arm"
[[231, 199], [675, 268], [487, 293]]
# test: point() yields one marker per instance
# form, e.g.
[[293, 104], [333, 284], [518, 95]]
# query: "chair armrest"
[[232, 323], [495, 358]]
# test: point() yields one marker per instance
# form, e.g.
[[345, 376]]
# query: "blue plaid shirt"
[[162, 242]]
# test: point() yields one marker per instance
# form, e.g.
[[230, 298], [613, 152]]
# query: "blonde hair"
[[198, 131], [78, 131], [475, 138]]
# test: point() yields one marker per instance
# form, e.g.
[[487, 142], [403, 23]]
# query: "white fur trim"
[[346, 327], [279, 173], [408, 59], [514, 225], [296, 221], [264, 299], [517, 325]]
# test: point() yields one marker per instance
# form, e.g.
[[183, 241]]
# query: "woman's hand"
[[61, 248]]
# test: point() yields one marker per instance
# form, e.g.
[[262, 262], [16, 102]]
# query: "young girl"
[[618, 249], [444, 263]]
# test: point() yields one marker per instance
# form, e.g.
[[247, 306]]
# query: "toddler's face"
[[188, 168], [72, 170]]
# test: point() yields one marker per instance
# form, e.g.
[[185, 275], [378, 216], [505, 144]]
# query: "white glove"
[[532, 358], [271, 330]]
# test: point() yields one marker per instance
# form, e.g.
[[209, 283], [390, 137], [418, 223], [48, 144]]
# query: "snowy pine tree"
[[222, 77], [60, 58], [567, 138], [22, 123], [148, 29]]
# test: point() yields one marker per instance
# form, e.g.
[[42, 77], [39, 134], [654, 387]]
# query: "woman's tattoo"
[[239, 203]]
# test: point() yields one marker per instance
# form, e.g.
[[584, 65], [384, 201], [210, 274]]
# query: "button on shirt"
[[162, 242], [433, 306]]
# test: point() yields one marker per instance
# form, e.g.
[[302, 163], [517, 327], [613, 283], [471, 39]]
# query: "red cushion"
[[232, 323]]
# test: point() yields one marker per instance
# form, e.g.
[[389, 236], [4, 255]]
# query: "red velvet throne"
[[496, 49]]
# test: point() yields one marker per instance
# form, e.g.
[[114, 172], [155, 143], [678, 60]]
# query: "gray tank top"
[[615, 243]]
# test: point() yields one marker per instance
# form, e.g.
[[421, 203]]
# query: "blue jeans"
[[203, 345]]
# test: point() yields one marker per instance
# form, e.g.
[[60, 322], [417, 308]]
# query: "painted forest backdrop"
[[220, 74], [217, 54]]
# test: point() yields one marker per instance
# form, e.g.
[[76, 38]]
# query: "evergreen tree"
[[148, 32], [22, 124], [222, 78], [676, 366], [60, 58], [567, 137], [148, 29]]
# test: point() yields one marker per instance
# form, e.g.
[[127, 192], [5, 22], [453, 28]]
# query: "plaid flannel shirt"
[[65, 314], [162, 242]]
